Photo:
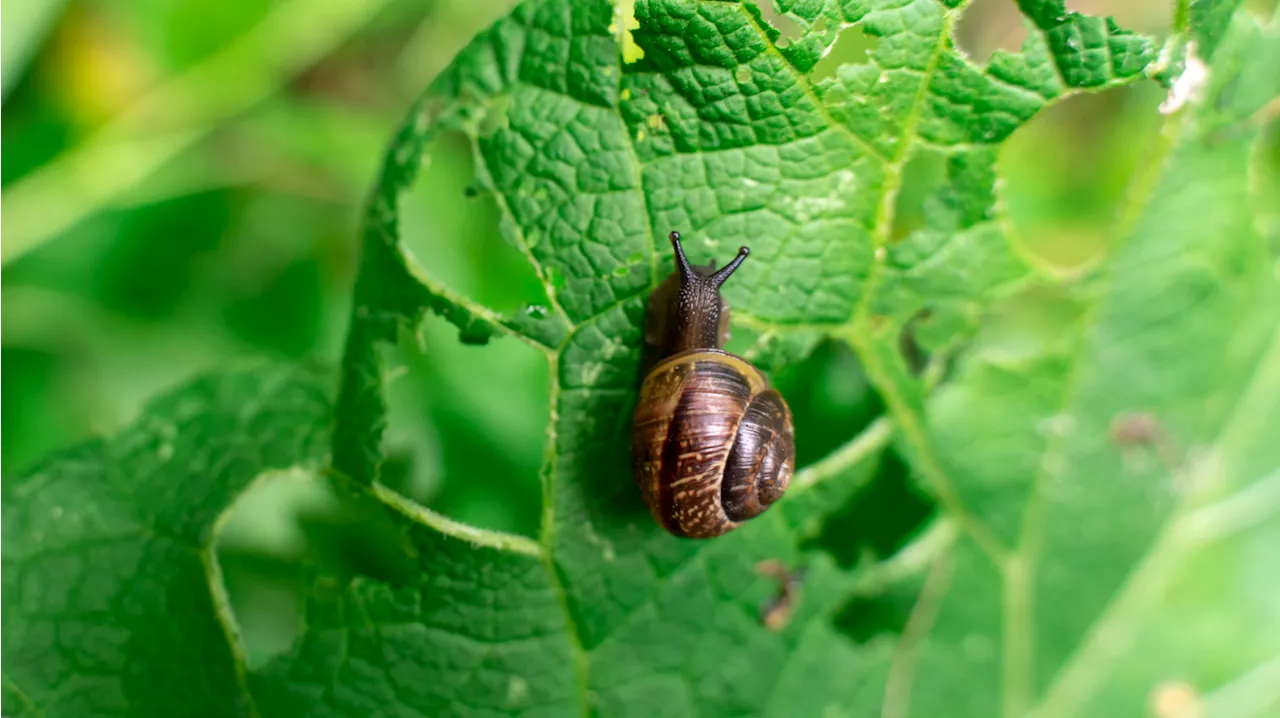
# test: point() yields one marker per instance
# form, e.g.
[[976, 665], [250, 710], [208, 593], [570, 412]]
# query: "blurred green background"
[[183, 181]]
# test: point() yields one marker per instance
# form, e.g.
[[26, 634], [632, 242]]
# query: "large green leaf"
[[1080, 472], [717, 131], [113, 597]]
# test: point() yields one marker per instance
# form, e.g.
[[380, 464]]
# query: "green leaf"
[[113, 598], [716, 131], [1089, 441], [720, 133]]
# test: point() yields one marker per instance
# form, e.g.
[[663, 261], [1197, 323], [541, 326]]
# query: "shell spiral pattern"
[[713, 445]]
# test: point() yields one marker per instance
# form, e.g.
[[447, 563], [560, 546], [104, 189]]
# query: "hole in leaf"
[[1065, 173], [924, 174], [990, 25], [466, 427], [265, 593], [865, 618], [624, 21], [830, 397], [282, 530], [788, 30], [449, 223], [878, 520], [852, 47], [1151, 18]]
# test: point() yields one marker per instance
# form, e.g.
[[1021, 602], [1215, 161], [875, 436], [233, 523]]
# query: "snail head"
[[694, 321]]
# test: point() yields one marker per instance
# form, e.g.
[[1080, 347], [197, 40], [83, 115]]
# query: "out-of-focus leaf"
[[172, 117], [113, 598], [25, 26]]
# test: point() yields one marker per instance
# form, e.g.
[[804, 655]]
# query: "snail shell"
[[712, 444]]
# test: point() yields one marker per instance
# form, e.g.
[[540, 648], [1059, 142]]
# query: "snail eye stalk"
[[719, 277]]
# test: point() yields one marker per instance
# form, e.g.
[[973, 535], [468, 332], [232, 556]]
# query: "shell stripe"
[[693, 453]]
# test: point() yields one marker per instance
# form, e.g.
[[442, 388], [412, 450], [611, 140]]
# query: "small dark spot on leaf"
[[915, 355], [777, 610], [1135, 429], [1139, 432]]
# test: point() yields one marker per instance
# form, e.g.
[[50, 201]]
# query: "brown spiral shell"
[[712, 444]]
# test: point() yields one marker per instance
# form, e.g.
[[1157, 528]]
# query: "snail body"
[[712, 444]]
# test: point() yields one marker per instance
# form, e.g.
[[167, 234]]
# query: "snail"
[[712, 445]]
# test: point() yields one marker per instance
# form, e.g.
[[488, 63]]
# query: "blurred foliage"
[[241, 242]]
